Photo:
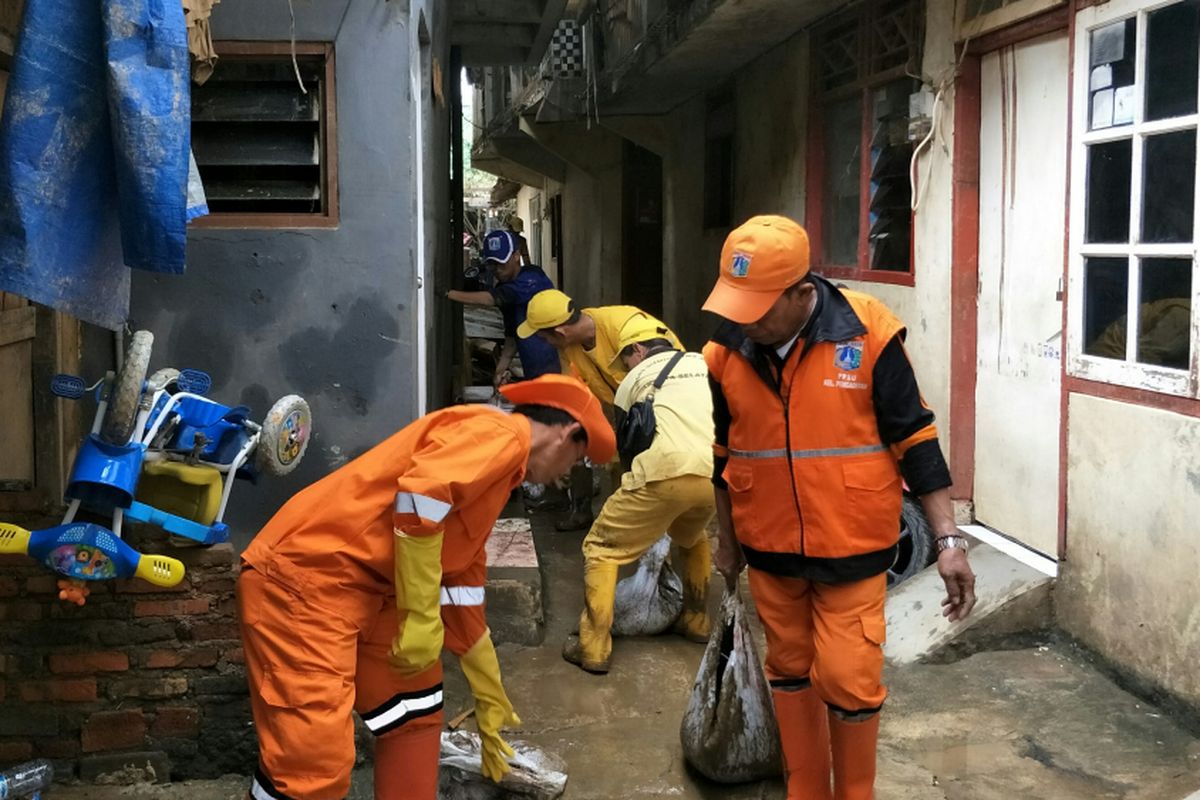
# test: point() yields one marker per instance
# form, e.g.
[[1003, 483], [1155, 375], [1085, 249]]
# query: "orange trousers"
[[311, 659], [830, 634]]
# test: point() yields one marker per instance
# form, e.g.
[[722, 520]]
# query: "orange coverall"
[[318, 610]]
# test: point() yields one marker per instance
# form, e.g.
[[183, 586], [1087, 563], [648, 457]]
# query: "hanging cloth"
[[94, 150]]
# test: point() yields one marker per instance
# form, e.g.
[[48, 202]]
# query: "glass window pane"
[[1112, 49], [1165, 314], [843, 145], [1109, 173], [1172, 55], [890, 211], [1105, 294], [1169, 194]]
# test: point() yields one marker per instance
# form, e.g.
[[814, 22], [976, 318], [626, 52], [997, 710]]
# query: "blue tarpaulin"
[[94, 145]]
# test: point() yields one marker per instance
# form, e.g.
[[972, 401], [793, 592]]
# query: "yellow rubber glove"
[[418, 643], [492, 709]]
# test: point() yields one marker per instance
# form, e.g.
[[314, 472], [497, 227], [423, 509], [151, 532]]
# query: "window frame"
[[864, 84], [330, 217], [1098, 369]]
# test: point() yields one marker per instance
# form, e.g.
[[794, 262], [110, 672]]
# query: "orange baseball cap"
[[761, 258], [570, 395]]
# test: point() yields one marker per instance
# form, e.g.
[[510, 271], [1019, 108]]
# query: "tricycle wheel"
[[285, 434], [126, 391], [916, 543]]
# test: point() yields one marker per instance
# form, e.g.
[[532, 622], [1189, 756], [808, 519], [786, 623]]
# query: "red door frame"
[[964, 274]]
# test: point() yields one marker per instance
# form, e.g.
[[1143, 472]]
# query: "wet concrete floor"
[[1038, 722]]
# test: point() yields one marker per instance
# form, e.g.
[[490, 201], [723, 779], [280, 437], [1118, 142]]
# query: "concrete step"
[[514, 584], [1013, 597]]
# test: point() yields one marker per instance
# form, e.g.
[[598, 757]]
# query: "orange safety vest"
[[807, 472], [452, 470]]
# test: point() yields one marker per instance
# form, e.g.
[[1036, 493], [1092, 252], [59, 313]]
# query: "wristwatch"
[[952, 540]]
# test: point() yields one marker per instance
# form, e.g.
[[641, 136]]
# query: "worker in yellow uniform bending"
[[348, 595], [586, 340], [667, 488]]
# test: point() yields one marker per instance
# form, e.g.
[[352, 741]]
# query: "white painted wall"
[[1129, 586]]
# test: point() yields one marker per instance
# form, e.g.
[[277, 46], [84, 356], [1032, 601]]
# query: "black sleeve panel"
[[924, 468], [899, 412], [721, 420]]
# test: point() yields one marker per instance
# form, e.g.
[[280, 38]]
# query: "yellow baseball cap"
[[761, 258], [548, 308], [639, 328]]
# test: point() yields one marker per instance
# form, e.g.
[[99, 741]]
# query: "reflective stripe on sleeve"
[[424, 507], [403, 707], [462, 595]]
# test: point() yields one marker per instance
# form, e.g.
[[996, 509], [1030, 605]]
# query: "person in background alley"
[[515, 285], [667, 488], [586, 340], [517, 226], [348, 595], [818, 418]]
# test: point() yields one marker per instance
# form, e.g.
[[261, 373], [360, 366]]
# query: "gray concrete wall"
[[591, 207], [328, 314], [1128, 587]]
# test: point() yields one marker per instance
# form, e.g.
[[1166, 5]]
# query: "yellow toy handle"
[[14, 539], [160, 570]]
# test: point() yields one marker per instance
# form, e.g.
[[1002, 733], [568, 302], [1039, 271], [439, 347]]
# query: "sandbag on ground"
[[649, 601], [728, 731], [536, 774]]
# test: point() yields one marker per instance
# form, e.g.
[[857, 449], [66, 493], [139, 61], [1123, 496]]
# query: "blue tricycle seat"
[[223, 428]]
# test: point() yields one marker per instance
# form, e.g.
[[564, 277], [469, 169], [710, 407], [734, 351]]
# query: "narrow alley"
[[391, 391]]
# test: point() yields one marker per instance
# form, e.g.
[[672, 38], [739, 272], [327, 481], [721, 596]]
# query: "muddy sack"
[[536, 774], [728, 732], [649, 601]]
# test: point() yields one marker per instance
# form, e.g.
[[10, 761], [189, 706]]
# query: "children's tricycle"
[[160, 452]]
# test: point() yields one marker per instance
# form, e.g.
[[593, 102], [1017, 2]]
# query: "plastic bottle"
[[26, 780]]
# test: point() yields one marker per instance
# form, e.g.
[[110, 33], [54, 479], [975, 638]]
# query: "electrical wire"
[[295, 63], [912, 164]]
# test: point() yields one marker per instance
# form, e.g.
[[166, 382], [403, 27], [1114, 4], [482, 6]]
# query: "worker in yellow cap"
[[586, 340], [349, 594], [818, 419], [667, 487]]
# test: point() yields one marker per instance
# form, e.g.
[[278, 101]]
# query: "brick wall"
[[137, 676]]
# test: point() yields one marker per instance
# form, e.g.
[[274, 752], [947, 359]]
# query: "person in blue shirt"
[[515, 285]]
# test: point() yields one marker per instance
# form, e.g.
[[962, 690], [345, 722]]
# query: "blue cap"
[[499, 246]]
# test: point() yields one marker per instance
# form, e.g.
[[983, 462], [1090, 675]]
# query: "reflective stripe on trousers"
[[401, 708]]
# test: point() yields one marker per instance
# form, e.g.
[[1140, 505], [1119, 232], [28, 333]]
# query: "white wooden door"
[[1022, 200]]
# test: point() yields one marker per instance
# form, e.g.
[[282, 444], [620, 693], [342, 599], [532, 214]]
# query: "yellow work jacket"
[[813, 486], [599, 367]]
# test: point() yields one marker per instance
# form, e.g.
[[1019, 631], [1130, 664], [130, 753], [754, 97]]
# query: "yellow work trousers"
[[630, 522]]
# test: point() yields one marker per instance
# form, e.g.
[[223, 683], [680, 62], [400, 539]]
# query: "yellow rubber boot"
[[594, 647], [804, 734], [695, 568], [854, 745]]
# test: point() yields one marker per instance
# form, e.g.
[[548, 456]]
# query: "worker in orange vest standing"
[[818, 418], [350, 592]]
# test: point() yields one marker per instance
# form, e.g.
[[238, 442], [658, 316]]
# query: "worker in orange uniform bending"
[[817, 419], [350, 592]]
